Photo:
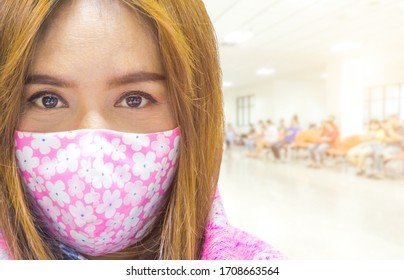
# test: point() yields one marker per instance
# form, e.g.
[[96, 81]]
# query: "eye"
[[135, 100], [47, 100]]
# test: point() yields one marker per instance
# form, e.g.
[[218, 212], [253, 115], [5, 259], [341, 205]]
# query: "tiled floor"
[[314, 214]]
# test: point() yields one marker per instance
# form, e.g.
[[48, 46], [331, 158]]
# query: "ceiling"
[[296, 37]]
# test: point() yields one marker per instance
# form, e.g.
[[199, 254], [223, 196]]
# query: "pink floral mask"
[[97, 191]]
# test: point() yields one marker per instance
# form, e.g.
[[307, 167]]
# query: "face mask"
[[97, 191]]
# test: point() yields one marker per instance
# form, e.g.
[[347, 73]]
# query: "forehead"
[[97, 35]]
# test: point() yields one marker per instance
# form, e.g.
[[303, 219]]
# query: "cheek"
[[33, 121], [157, 119]]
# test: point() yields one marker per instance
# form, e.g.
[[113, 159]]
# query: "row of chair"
[[339, 149]]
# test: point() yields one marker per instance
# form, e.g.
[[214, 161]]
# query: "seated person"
[[371, 144], [288, 138], [282, 129], [250, 142], [391, 148], [269, 135], [328, 138]]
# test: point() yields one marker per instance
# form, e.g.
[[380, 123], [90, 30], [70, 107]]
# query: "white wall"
[[384, 70], [281, 98], [345, 90], [347, 82]]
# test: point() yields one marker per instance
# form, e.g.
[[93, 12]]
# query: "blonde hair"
[[189, 54]]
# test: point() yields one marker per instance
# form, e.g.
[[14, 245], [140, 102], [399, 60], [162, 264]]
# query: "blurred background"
[[314, 105]]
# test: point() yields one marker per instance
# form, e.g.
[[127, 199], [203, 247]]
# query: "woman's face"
[[96, 65]]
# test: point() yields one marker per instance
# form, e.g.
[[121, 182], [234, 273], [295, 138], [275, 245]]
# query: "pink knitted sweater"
[[224, 242]]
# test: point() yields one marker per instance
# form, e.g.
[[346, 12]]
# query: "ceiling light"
[[227, 84], [324, 76], [265, 71], [237, 37], [345, 46]]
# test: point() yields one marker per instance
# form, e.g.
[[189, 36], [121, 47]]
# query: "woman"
[[86, 85]]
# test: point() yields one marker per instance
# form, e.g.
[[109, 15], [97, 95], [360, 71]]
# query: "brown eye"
[[49, 101], [46, 100], [135, 101]]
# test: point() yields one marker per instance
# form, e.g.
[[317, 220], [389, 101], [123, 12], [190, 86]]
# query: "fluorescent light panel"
[[265, 71], [345, 46], [237, 37], [227, 84]]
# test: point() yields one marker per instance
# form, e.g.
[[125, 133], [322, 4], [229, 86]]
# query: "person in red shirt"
[[328, 138]]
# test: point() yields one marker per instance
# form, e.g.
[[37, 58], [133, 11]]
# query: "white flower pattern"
[[168, 180], [76, 187], [135, 193], [118, 150], [173, 154], [82, 214], [115, 222], [136, 141], [98, 190], [44, 144], [121, 175], [47, 168], [57, 193], [101, 174], [112, 201], [49, 209], [67, 159], [133, 218], [151, 207], [143, 165], [26, 160], [161, 145], [86, 169], [101, 147], [152, 189], [162, 168], [36, 183], [81, 238]]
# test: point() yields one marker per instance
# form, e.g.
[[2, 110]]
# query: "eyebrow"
[[134, 77], [47, 80]]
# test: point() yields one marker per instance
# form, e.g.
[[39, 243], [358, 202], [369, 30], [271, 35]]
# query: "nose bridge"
[[91, 117]]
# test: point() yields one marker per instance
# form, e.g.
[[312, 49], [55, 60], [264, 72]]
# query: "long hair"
[[190, 57]]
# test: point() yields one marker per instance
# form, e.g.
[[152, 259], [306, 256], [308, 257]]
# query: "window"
[[383, 101], [244, 110]]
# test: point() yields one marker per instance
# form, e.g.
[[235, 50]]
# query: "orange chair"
[[304, 138], [342, 147]]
